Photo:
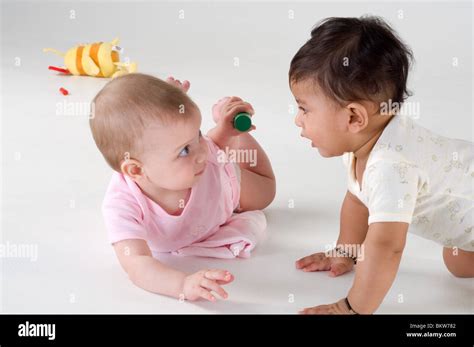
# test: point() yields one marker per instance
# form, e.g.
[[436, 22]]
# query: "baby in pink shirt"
[[175, 190]]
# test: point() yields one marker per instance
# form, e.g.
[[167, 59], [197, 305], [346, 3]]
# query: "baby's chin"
[[328, 154]]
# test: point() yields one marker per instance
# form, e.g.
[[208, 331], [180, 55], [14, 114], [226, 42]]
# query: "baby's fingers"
[[212, 285], [321, 309], [241, 106], [318, 265], [171, 80], [303, 262], [186, 85], [205, 294], [233, 98], [221, 275]]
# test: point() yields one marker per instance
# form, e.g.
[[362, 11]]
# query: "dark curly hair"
[[354, 59]]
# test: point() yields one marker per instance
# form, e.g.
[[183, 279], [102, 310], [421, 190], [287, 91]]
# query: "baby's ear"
[[131, 168], [358, 116]]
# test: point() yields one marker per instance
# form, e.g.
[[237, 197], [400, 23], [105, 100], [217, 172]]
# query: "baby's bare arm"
[[353, 221], [258, 187], [377, 269], [145, 271], [148, 273]]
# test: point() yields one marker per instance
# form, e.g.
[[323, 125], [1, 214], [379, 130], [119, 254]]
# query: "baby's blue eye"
[[184, 152]]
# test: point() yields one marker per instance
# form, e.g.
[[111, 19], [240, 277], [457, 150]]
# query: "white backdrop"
[[53, 177]]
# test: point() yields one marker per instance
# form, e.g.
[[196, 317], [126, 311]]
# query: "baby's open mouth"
[[312, 143]]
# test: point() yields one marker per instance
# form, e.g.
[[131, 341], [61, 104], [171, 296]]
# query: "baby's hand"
[[177, 83], [339, 307], [226, 109], [321, 262], [202, 283]]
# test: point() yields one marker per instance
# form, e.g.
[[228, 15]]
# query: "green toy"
[[242, 122]]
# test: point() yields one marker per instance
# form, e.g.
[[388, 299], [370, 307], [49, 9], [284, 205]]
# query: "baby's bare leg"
[[257, 187], [460, 263]]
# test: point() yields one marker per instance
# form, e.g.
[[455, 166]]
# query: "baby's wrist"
[[349, 306], [359, 303], [218, 136], [182, 287]]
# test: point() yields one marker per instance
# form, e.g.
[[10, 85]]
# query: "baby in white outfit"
[[417, 177], [401, 176]]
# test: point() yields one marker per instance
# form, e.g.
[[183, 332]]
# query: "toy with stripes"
[[100, 59]]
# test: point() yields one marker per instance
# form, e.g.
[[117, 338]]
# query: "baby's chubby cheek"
[[189, 175], [170, 178], [317, 140], [325, 146], [182, 179]]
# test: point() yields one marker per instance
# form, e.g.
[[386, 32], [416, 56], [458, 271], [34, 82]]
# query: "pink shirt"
[[206, 226]]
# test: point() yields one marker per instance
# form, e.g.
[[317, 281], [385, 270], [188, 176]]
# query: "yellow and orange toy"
[[100, 59]]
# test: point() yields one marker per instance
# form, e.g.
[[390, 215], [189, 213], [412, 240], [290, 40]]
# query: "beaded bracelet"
[[345, 254]]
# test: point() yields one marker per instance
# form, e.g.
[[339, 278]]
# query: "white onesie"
[[418, 177]]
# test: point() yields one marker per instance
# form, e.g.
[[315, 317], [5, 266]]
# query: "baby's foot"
[[184, 86]]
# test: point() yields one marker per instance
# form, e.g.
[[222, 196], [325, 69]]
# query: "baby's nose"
[[298, 122]]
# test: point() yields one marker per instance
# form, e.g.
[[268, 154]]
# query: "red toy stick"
[[66, 71], [63, 91]]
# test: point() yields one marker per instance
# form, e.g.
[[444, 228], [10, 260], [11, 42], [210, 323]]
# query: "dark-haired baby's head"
[[343, 75]]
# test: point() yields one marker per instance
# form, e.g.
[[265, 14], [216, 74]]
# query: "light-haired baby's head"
[[149, 130]]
